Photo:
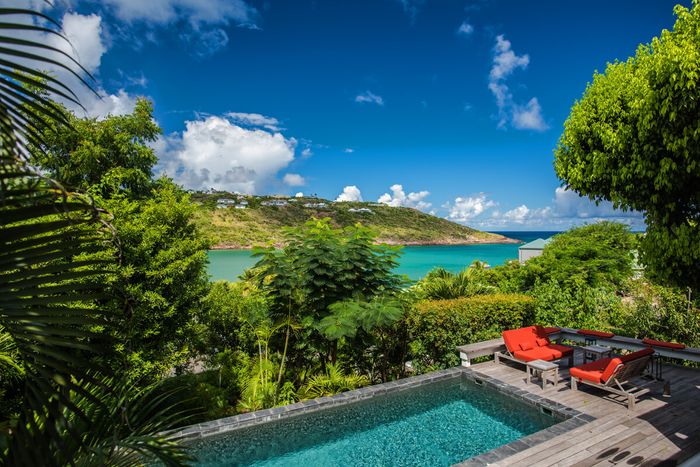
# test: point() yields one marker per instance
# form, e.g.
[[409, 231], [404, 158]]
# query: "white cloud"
[[567, 209], [529, 117], [299, 195], [306, 152], [350, 193], [87, 45], [465, 29], [505, 62], [255, 120], [399, 198], [85, 35], [348, 150], [293, 180], [216, 153], [468, 207], [197, 12], [370, 98]]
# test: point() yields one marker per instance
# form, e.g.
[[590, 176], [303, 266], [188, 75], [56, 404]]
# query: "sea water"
[[415, 262]]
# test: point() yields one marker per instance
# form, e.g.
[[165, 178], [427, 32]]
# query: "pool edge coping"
[[223, 425], [570, 417]]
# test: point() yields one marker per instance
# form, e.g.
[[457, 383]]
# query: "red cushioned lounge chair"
[[531, 343], [614, 374]]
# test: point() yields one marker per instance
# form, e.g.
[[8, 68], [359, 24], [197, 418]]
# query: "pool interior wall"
[[438, 418]]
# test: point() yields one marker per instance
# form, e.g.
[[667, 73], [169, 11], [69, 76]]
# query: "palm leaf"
[[49, 287]]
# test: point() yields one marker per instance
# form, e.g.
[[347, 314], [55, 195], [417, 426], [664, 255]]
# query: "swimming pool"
[[436, 424]]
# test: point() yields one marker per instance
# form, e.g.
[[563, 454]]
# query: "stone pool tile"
[[537, 438], [585, 417], [518, 445]]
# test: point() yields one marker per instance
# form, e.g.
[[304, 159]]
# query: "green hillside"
[[259, 224]]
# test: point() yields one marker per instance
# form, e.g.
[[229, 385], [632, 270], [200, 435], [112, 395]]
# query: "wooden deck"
[[659, 431]]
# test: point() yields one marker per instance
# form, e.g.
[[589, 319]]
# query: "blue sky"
[[453, 107]]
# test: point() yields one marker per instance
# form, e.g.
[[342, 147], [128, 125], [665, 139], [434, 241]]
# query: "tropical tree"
[[50, 290], [320, 266], [633, 139], [162, 252]]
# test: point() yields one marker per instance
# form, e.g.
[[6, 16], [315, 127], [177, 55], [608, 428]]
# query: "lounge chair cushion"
[[637, 354], [548, 353], [601, 370], [515, 337], [538, 353], [593, 371], [542, 341], [591, 332], [668, 345]]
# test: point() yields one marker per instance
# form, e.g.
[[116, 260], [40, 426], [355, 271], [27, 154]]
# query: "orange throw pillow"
[[526, 346], [542, 342]]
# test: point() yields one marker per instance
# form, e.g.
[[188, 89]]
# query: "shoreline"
[[504, 241]]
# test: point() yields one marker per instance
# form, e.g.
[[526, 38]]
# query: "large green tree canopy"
[[634, 139], [162, 278]]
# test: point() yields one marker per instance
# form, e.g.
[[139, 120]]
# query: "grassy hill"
[[259, 224]]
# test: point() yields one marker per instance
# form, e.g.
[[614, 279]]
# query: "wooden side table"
[[544, 369], [595, 352]]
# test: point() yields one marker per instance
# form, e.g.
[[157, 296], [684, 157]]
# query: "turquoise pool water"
[[437, 424], [415, 262]]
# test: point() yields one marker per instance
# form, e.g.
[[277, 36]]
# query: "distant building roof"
[[538, 244]]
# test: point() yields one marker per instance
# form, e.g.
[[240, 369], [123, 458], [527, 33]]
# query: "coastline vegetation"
[[260, 225]]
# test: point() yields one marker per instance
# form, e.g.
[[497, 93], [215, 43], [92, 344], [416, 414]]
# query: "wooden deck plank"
[[659, 429]]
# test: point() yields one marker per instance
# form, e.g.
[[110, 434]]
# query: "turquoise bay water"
[[415, 262], [437, 424]]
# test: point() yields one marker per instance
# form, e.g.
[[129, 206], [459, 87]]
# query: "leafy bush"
[[436, 327], [597, 254], [440, 284], [663, 313], [576, 306]]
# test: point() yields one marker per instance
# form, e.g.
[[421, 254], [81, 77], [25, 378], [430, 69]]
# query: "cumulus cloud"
[[350, 193], [215, 152], [567, 209], [293, 180], [307, 152], [399, 198], [299, 195], [505, 62], [368, 97], [465, 29], [466, 208], [348, 150], [87, 45]]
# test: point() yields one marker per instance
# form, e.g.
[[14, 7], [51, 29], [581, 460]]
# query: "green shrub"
[[663, 313], [577, 306], [436, 327]]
